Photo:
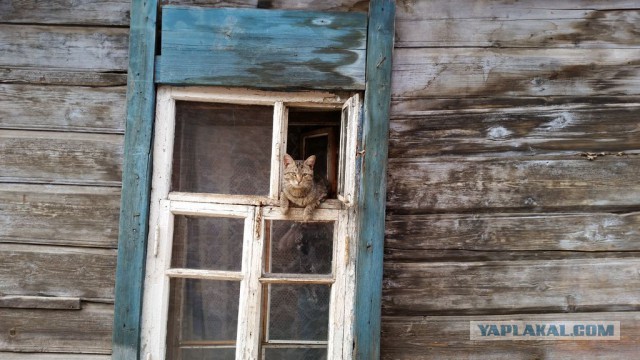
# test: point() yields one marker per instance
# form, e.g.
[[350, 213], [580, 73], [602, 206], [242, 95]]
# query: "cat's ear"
[[288, 160], [311, 160]]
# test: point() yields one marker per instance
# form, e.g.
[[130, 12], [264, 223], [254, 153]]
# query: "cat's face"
[[298, 174]]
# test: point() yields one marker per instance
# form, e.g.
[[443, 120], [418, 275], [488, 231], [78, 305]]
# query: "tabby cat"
[[300, 187]]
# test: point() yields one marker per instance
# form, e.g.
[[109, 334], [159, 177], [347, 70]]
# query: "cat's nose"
[[299, 178]]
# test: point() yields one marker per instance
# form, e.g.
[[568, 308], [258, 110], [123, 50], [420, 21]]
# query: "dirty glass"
[[222, 148], [211, 243], [299, 247]]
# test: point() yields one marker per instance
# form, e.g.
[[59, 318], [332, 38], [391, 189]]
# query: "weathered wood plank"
[[501, 9], [61, 77], [372, 188], [57, 271], [86, 331], [535, 27], [410, 106], [59, 215], [136, 181], [230, 47], [62, 108], [60, 158], [453, 72], [44, 356], [40, 302], [612, 128], [511, 287], [80, 12], [454, 184], [324, 5], [393, 254], [515, 232], [447, 337], [64, 47]]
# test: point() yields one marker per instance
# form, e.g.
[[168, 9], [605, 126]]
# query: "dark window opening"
[[316, 132]]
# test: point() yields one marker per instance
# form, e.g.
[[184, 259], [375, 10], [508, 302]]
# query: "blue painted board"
[[262, 48], [136, 181], [372, 199]]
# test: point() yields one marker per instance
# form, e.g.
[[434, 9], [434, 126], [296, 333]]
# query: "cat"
[[300, 187]]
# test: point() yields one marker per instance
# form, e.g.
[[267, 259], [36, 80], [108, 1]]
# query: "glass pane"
[[295, 354], [299, 247], [207, 243], [208, 354], [201, 313], [222, 148], [299, 312]]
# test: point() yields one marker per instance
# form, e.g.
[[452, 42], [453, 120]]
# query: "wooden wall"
[[513, 187], [513, 171], [62, 106]]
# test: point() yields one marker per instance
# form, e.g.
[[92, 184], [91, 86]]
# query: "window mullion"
[[157, 283], [250, 289], [279, 143]]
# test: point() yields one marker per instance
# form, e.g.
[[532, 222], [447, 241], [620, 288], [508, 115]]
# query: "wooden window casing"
[[256, 211]]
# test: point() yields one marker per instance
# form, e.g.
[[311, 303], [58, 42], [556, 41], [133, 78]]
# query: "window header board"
[[260, 48]]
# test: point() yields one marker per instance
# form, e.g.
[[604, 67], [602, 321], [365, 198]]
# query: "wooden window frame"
[[136, 179], [165, 204]]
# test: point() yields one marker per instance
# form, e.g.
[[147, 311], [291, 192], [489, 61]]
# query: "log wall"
[[512, 183], [62, 106]]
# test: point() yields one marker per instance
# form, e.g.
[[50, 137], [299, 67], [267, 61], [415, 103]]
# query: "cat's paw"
[[284, 205], [306, 215]]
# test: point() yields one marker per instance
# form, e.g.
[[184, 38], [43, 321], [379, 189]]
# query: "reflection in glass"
[[296, 354], [222, 148], [299, 247], [298, 312], [211, 243], [201, 313]]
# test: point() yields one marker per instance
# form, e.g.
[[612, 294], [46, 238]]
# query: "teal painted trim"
[[372, 199], [136, 178], [262, 48]]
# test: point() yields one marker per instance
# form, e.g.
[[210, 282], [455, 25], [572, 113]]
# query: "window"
[[228, 276]]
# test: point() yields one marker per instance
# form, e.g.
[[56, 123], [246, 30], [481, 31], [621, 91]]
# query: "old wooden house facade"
[[495, 175]]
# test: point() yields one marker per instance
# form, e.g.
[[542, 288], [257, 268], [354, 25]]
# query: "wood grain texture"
[[78, 12], [536, 26], [136, 181], [513, 131], [62, 108], [9, 75], [514, 232], [63, 47], [60, 158], [59, 215], [51, 356], [451, 72], [421, 255], [370, 204], [231, 47], [447, 337], [40, 302], [57, 271], [501, 9], [454, 184], [511, 287], [410, 106], [85, 332], [323, 5]]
